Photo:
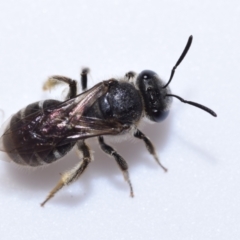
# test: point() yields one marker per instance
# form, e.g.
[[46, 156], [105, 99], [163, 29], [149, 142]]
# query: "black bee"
[[45, 131]]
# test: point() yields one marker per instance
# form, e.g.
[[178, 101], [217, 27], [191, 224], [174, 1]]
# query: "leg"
[[74, 173], [150, 147], [130, 75], [56, 80], [84, 74], [120, 161]]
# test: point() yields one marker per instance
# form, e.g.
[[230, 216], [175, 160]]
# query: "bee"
[[45, 131]]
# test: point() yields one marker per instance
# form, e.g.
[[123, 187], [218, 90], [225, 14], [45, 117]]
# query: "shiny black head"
[[156, 95]]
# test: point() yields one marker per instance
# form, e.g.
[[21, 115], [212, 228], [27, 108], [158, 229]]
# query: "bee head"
[[153, 92], [156, 95]]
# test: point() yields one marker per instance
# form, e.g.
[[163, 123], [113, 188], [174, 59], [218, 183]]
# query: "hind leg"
[[57, 80], [74, 173]]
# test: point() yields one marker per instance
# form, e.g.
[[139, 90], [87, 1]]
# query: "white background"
[[199, 197]]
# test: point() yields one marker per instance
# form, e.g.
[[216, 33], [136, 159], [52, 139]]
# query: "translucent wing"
[[23, 137]]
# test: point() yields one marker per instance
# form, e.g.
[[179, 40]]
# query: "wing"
[[91, 127], [18, 139]]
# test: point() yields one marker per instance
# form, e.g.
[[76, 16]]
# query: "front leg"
[[120, 161], [130, 75], [150, 147]]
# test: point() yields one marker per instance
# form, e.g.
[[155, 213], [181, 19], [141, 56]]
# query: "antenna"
[[189, 42], [194, 104]]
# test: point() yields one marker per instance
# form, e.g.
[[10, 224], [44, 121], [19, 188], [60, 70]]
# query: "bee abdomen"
[[22, 143]]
